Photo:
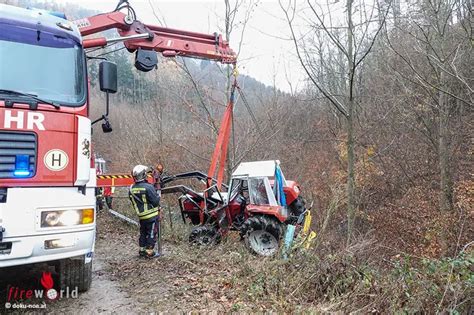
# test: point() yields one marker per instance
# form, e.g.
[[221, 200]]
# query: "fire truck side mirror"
[[108, 77]]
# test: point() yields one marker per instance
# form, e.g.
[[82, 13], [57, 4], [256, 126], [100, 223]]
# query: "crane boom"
[[170, 42]]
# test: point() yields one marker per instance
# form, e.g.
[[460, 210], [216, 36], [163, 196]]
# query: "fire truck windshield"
[[43, 64]]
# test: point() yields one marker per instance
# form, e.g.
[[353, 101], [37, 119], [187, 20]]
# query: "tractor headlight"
[[66, 218]]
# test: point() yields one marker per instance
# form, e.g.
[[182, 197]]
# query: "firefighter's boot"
[[150, 253]]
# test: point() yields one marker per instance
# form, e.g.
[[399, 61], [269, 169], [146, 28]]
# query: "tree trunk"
[[446, 193], [396, 12], [350, 125], [350, 172], [161, 123], [231, 149]]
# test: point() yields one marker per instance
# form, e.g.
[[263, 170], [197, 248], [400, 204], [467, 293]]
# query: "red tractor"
[[258, 202]]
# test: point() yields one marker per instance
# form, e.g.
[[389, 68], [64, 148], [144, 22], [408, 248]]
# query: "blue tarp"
[[278, 187]]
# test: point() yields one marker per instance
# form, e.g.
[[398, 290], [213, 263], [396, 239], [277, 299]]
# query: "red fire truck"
[[47, 175]]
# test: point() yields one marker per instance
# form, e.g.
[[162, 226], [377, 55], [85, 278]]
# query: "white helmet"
[[139, 173]]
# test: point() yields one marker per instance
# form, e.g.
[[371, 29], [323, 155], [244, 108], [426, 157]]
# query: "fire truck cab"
[[47, 199]]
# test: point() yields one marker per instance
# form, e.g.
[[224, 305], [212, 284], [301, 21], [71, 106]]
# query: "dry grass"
[[227, 278]]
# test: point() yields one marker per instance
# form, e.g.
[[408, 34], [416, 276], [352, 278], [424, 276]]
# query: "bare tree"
[[349, 36], [434, 59]]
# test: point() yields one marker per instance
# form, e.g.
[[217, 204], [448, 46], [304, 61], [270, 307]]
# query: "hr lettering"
[[33, 120]]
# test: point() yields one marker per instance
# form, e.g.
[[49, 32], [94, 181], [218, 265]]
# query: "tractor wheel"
[[204, 235], [297, 207], [262, 235]]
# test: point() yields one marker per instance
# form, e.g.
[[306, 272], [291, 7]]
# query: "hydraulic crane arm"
[[170, 42]]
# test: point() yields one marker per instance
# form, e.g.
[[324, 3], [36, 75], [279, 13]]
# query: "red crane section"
[[170, 42]]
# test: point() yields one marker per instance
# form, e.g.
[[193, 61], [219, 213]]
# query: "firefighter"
[[146, 203]]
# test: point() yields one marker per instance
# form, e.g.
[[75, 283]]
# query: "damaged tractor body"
[[258, 202]]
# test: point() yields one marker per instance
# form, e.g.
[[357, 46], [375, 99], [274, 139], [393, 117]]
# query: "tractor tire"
[[74, 273], [204, 235], [262, 235], [297, 207]]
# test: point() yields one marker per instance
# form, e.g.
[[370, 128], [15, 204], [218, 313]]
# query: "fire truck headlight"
[[67, 218], [50, 218], [70, 217]]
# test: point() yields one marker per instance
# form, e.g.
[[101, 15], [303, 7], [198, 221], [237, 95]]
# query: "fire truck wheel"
[[204, 235], [262, 235], [75, 273]]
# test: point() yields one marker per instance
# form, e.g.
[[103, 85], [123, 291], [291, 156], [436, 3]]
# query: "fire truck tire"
[[204, 235], [75, 273], [262, 235]]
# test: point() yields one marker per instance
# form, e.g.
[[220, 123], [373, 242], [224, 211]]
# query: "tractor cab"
[[254, 190], [254, 186]]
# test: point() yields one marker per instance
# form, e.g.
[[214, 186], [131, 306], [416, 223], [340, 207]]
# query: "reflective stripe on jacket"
[[145, 200]]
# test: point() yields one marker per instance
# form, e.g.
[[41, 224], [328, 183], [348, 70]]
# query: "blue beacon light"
[[22, 166]]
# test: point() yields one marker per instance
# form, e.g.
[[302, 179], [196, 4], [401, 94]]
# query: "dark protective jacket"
[[145, 200]]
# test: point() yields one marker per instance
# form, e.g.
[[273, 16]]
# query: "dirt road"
[[105, 296]]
